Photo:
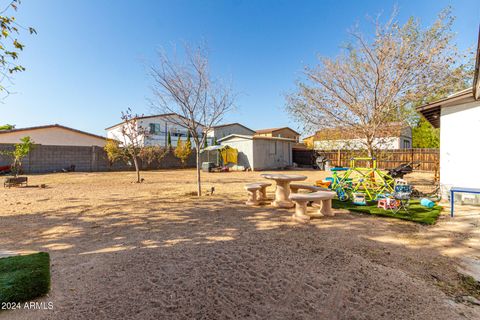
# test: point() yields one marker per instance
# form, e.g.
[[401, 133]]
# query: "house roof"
[[254, 138], [432, 111], [52, 126], [232, 124], [271, 130], [163, 115]]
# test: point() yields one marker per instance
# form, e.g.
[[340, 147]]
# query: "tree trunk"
[[137, 169], [199, 182]]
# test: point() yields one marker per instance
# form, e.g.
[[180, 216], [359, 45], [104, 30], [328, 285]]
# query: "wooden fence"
[[386, 159]]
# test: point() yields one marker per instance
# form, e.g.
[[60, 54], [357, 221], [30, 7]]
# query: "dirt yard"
[[121, 250]]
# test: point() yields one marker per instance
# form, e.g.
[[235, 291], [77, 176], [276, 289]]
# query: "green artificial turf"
[[24, 278], [416, 212]]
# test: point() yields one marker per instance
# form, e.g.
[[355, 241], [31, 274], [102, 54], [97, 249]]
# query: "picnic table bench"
[[460, 190], [301, 200]]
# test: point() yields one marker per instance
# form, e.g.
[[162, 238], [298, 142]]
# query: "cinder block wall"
[[44, 159]]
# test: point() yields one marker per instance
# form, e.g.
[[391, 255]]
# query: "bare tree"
[[374, 83], [133, 138], [187, 89], [133, 145]]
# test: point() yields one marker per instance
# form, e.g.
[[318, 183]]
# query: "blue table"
[[460, 190]]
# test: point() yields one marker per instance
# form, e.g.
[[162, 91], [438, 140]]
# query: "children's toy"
[[388, 204], [359, 199], [341, 194], [427, 203], [403, 169], [368, 180], [323, 183], [330, 179], [402, 194]]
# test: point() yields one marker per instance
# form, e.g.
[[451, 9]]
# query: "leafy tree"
[[215, 142], [10, 46], [21, 151], [113, 150], [378, 79], [183, 151], [205, 145], [189, 141], [146, 154], [169, 140], [152, 153], [133, 146], [424, 135], [7, 127]]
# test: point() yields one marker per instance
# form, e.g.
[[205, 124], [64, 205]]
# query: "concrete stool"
[[263, 190], [252, 189]]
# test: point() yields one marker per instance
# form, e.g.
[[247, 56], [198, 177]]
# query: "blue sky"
[[88, 61]]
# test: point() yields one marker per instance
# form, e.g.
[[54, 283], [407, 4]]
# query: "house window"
[[154, 128], [406, 144]]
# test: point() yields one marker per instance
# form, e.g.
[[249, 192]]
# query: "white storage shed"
[[261, 153]]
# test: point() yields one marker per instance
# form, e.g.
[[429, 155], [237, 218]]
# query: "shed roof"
[[254, 138]]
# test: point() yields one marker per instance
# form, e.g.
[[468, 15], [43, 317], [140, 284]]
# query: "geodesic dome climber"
[[370, 180]]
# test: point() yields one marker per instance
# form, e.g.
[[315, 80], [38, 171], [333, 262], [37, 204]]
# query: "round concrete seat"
[[301, 200]]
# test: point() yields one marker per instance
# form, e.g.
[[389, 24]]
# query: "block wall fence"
[[44, 159]]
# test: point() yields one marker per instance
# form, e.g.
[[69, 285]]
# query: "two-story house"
[[156, 128]]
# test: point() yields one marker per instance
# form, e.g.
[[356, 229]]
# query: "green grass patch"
[[416, 212], [471, 285], [24, 278]]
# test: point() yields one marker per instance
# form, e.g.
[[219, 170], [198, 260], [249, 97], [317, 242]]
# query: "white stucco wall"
[[261, 154], [459, 151], [271, 154], [390, 143], [55, 136]]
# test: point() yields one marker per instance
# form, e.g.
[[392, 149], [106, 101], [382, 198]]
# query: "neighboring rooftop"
[[51, 126], [394, 129], [232, 124], [271, 130]]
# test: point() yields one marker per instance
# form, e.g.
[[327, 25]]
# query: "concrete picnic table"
[[283, 188]]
